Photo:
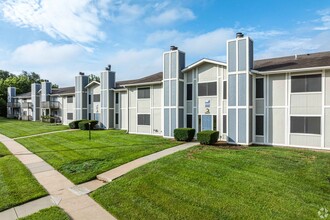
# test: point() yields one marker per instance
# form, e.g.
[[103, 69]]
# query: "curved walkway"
[[74, 199]]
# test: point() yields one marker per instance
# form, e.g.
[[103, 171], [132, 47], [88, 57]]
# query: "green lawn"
[[218, 183], [15, 128], [17, 185], [52, 213], [81, 160]]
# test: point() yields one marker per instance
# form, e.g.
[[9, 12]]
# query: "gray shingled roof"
[[157, 77], [64, 90], [290, 62]]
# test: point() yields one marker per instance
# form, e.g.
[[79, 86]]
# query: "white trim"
[[142, 84], [291, 70], [205, 60]]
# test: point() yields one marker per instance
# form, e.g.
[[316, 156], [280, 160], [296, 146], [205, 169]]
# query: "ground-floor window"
[[224, 124], [89, 116], [69, 116], [189, 121], [305, 125], [260, 125], [143, 119], [117, 118]]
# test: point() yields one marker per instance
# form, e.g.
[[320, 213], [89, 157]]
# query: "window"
[[69, 116], [306, 125], [189, 91], [117, 98], [207, 89], [259, 88], [143, 93], [70, 99], [260, 125], [199, 123], [189, 121], [224, 124], [117, 118], [96, 98], [89, 116], [214, 122], [143, 119], [224, 92], [89, 99], [306, 83]]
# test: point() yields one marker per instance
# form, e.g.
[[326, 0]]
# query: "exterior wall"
[[35, 98], [326, 109], [108, 81], [81, 97], [68, 108]]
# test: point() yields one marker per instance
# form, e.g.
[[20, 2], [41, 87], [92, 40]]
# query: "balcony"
[[26, 105], [13, 105], [50, 104]]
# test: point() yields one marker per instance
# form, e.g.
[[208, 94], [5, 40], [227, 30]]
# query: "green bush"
[[74, 124], [184, 134], [84, 125], [208, 137]]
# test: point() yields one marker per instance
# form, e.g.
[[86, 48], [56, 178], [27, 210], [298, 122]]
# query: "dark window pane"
[[260, 125], [189, 121], [69, 116], [224, 124], [224, 92], [89, 99], [212, 88], [199, 123], [70, 99], [117, 118], [297, 124], [298, 84], [143, 93], [314, 83], [202, 89], [89, 116], [96, 97], [259, 88], [214, 122], [313, 125], [144, 119], [117, 98], [189, 91]]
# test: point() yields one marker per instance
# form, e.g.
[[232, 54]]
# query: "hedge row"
[[184, 134], [83, 124], [208, 137], [74, 124]]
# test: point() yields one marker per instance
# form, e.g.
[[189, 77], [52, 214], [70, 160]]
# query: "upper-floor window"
[[96, 97], [143, 119], [306, 83], [305, 125], [70, 99], [224, 92], [144, 93], [189, 91], [117, 98], [207, 89], [260, 88]]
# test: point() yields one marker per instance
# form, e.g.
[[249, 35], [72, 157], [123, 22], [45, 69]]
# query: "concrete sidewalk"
[[57, 185]]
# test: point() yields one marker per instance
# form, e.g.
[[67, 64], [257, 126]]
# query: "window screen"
[[260, 125], [96, 97], [70, 99], [224, 92], [69, 116], [259, 88], [306, 83], [207, 89], [306, 125], [189, 91], [189, 121], [143, 93], [144, 119]]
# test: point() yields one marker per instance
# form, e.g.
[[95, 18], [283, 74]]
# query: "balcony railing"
[[13, 105], [50, 104], [26, 105]]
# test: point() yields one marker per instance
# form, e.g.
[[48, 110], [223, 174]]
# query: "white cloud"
[[324, 20], [132, 64], [166, 36], [75, 20], [122, 12], [171, 16]]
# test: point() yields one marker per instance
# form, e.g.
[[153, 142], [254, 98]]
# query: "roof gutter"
[[143, 84], [290, 70]]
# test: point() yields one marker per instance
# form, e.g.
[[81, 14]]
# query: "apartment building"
[[279, 101]]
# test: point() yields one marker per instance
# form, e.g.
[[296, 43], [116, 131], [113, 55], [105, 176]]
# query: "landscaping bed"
[[223, 183]]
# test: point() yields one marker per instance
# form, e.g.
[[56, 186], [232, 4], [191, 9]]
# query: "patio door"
[[206, 122]]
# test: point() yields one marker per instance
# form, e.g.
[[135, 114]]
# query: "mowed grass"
[[80, 159], [15, 128], [52, 213], [214, 183], [17, 185]]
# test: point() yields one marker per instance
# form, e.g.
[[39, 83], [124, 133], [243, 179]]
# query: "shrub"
[[84, 125], [208, 137], [74, 124], [184, 134]]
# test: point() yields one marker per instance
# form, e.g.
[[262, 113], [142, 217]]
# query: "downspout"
[[127, 132]]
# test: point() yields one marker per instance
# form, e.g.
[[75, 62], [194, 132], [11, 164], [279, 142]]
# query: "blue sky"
[[59, 38]]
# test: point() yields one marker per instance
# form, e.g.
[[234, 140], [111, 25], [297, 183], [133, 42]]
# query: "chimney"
[[173, 48], [239, 35], [81, 73], [296, 57], [108, 68]]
